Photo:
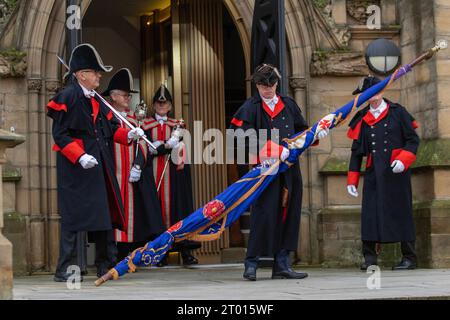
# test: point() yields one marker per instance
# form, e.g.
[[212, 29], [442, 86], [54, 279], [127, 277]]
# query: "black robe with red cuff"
[[386, 214], [88, 199], [273, 226], [143, 221]]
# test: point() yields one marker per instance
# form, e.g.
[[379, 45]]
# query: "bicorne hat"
[[85, 56], [122, 80], [162, 94]]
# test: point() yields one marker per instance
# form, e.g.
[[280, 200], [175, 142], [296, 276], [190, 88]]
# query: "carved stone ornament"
[[12, 67], [52, 87], [341, 64], [357, 9], [34, 85], [297, 82], [342, 33]]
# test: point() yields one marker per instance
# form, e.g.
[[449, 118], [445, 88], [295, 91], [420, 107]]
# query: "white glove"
[[323, 133], [351, 189], [156, 144], [135, 174], [87, 161], [135, 134], [172, 142], [397, 166], [284, 154]]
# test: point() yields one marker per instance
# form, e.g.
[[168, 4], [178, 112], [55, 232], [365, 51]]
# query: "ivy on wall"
[[6, 8], [13, 63]]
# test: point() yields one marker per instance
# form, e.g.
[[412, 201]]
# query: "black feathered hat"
[[85, 56], [266, 74], [162, 95], [122, 80], [366, 83]]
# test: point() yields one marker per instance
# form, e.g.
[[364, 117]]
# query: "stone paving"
[[225, 282]]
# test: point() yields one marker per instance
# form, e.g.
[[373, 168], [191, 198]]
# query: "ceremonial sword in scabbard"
[[117, 113]]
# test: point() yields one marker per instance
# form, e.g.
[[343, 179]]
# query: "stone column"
[[53, 218], [7, 140], [33, 179], [388, 14]]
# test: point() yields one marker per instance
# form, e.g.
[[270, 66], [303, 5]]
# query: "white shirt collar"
[[271, 103], [160, 119], [376, 112], [124, 114], [87, 93]]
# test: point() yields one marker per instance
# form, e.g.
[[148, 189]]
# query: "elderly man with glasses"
[[84, 130]]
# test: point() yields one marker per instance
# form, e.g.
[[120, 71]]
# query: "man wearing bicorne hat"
[[143, 220], [173, 177], [384, 132], [84, 132], [275, 216]]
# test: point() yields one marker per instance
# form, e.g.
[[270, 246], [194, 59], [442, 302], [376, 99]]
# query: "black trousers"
[[407, 247], [105, 250]]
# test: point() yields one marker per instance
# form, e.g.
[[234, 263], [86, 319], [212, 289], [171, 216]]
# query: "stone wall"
[[425, 93], [331, 31]]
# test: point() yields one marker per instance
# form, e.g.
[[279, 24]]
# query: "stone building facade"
[[325, 47]]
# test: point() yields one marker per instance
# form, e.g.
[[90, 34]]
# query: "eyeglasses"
[[125, 95]]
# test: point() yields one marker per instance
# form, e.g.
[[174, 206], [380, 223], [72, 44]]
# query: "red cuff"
[[121, 136], [73, 151], [237, 122], [56, 106], [415, 124], [354, 133], [406, 157], [353, 178], [270, 150]]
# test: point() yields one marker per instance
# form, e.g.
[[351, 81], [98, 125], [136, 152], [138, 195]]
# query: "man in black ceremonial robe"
[[384, 132], [142, 221], [84, 131], [275, 217]]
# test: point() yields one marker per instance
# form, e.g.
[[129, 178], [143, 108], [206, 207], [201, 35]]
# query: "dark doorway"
[[235, 95]]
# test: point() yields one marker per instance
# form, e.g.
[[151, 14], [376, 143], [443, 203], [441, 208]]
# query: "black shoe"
[[186, 245], [163, 262], [191, 245], [365, 265], [189, 260], [405, 265], [250, 273], [64, 277], [288, 274]]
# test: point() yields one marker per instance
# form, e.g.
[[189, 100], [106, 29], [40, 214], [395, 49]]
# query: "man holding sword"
[[84, 131]]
